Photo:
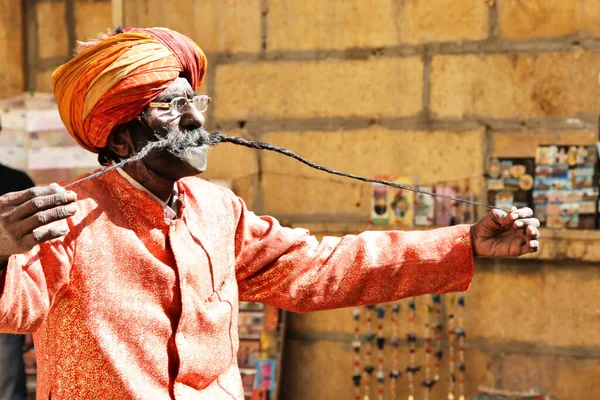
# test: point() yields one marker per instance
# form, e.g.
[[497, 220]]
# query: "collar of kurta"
[[200, 205], [170, 207]]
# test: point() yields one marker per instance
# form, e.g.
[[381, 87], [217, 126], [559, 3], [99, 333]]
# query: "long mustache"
[[175, 142]]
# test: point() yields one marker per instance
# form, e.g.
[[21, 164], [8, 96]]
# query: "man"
[[131, 281], [12, 366]]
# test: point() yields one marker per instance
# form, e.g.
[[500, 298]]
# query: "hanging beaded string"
[[368, 369], [427, 382], [380, 311], [411, 338], [356, 344], [451, 338], [460, 333], [437, 330], [395, 372]]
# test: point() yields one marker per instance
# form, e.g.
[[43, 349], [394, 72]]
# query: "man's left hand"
[[501, 234]]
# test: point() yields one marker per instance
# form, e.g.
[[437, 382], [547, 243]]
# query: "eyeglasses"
[[178, 104]]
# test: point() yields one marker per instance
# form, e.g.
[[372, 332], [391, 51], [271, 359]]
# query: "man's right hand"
[[25, 217]]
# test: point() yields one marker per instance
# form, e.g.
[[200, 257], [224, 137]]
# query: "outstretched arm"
[[291, 269]]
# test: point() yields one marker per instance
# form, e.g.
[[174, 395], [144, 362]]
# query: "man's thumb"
[[502, 218]]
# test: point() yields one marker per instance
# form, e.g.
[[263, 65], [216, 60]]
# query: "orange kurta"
[[131, 305]]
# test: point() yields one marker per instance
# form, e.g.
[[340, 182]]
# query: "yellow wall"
[[424, 87]]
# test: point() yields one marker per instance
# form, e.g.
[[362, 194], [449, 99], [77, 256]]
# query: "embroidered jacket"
[[133, 305]]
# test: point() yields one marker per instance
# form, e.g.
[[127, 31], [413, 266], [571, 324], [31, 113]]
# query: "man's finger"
[[41, 203], [524, 223], [502, 218], [533, 246], [532, 233], [15, 199], [524, 212], [46, 217], [42, 235]]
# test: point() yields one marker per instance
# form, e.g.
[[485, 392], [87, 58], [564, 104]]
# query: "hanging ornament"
[[460, 333], [451, 339], [411, 338], [437, 331], [427, 382], [380, 311], [395, 372], [368, 368], [356, 345]]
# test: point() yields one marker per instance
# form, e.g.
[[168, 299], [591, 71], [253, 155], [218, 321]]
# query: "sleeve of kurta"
[[31, 282], [290, 269]]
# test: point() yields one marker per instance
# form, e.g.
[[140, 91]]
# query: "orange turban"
[[114, 80]]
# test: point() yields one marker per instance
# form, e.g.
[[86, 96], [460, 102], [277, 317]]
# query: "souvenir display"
[[510, 182], [444, 209], [260, 330], [392, 206], [250, 324], [424, 208], [266, 375], [565, 193]]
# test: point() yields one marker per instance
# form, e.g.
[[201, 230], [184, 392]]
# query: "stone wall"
[[424, 87]]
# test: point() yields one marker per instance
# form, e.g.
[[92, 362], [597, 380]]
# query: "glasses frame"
[[171, 105]]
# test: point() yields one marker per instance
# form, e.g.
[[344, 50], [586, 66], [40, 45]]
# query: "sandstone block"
[[522, 304], [515, 85], [524, 144], [561, 377], [11, 48], [52, 36], [91, 19], [43, 81], [293, 189], [216, 25], [330, 24], [378, 87], [546, 18]]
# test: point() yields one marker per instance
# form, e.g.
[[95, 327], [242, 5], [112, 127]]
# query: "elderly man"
[[131, 281]]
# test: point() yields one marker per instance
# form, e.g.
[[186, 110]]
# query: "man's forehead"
[[179, 87]]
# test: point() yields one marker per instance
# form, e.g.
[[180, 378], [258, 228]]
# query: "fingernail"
[[519, 224], [71, 209], [71, 196], [514, 215]]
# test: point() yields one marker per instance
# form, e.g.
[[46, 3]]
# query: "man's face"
[[161, 122]]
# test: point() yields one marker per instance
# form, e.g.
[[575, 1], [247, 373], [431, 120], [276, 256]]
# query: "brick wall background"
[[424, 87]]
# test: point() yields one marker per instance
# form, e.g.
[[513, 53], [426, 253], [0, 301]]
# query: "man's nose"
[[191, 118]]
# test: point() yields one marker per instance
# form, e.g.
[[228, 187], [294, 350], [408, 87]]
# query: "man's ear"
[[120, 142]]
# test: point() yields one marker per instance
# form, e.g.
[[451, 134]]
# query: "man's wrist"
[[471, 233]]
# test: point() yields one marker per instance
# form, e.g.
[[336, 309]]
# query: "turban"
[[114, 80]]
